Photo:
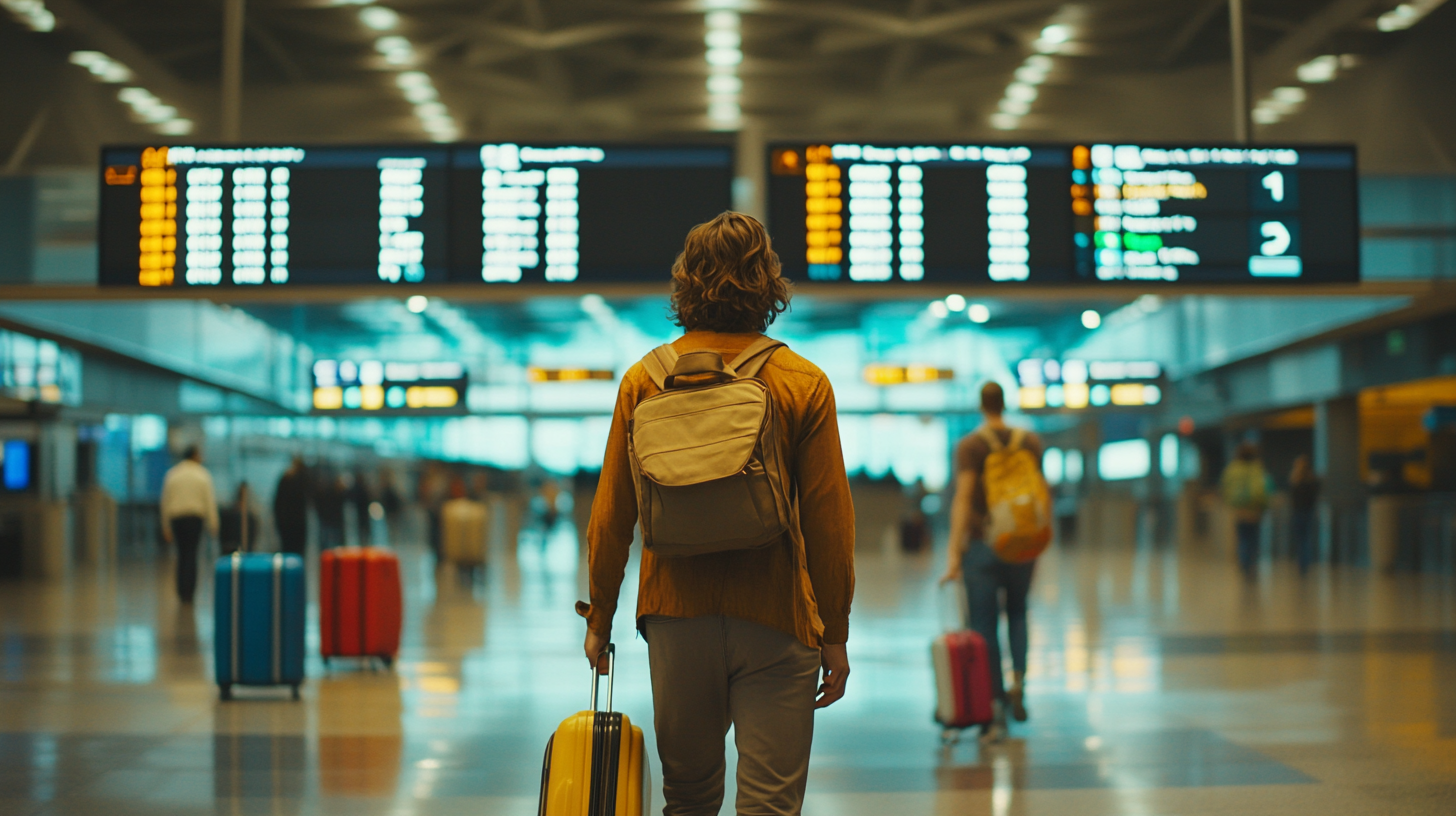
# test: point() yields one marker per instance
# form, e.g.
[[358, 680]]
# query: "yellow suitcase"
[[595, 765]]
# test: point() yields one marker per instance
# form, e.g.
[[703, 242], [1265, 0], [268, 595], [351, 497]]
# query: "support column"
[[749, 173], [233, 15], [1337, 462], [1243, 133]]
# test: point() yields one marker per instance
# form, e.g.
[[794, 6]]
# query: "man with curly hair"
[[736, 638]]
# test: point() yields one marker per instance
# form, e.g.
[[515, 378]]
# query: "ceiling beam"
[[150, 73], [1180, 41], [1277, 65]]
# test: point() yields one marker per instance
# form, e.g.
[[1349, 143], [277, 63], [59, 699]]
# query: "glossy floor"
[[1160, 684]]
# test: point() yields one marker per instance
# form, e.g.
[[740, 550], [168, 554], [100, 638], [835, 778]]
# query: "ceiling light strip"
[[724, 40], [1025, 86], [398, 54]]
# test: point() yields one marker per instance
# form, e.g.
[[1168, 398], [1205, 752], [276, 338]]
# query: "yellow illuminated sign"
[[1033, 396], [431, 396], [541, 375], [328, 399], [157, 247], [888, 374], [822, 207], [1128, 394], [1075, 395]]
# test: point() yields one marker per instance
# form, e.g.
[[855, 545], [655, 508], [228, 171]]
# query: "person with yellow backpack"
[[1000, 521]]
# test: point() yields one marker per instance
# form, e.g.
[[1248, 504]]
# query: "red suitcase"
[[962, 682], [359, 603]]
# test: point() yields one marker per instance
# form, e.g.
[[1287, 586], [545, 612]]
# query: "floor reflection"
[[1154, 673]]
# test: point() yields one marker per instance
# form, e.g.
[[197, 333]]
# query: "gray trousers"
[[712, 672]]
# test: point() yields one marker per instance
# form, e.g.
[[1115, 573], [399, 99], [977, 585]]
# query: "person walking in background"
[[328, 502], [1304, 488], [290, 507], [360, 496], [188, 505], [735, 637], [238, 525], [1246, 489], [993, 586]]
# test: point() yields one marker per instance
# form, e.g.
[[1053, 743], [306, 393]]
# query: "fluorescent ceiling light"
[[978, 313], [955, 302], [1290, 95], [1005, 121], [176, 127], [31, 13], [1319, 69], [1091, 319], [719, 38], [1015, 107], [722, 19], [378, 18], [1056, 34], [413, 79], [724, 57], [101, 66], [1030, 75], [1021, 92], [724, 111], [724, 84], [1406, 15]]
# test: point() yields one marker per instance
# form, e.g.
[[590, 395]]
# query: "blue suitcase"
[[258, 610]]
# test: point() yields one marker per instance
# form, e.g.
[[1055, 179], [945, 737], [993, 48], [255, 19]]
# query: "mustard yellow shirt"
[[802, 585]]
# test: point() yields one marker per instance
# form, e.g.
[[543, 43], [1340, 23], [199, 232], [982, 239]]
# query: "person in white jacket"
[[188, 505]]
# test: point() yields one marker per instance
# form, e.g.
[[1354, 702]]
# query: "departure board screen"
[[1215, 214], [934, 213], [352, 215], [189, 216], [556, 214], [1097, 214]]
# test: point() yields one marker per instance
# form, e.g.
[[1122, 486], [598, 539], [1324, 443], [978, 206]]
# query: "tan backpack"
[[705, 454]]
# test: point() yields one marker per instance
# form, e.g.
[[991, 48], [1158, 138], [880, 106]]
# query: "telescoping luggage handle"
[[611, 653]]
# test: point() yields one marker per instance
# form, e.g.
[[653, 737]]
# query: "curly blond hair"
[[728, 278]]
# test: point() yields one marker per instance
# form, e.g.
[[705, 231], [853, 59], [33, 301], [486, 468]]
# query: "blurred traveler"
[[238, 525], [464, 523], [735, 637], [550, 494], [1304, 488], [360, 496], [432, 495], [1246, 489], [972, 560], [188, 505], [328, 502], [290, 507]]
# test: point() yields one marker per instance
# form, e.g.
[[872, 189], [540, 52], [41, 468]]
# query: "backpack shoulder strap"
[[994, 441], [659, 363], [1018, 436], [751, 360]]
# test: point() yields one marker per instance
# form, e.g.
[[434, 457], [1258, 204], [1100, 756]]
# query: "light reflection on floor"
[[1159, 683]]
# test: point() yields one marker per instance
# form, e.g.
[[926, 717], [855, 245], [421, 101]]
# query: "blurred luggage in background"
[[258, 613], [360, 603]]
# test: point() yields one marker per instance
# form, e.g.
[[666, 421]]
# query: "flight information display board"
[[347, 215], [935, 213], [1092, 213], [1217, 214]]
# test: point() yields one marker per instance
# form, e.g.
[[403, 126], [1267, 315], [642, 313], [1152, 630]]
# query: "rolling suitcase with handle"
[[962, 682], [258, 614], [595, 764], [359, 603]]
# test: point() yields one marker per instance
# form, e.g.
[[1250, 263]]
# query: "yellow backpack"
[[1018, 507]]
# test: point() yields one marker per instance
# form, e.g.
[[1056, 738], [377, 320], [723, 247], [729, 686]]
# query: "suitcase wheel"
[[387, 660], [295, 691], [950, 736], [225, 691]]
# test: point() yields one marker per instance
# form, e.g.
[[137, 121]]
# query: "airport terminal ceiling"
[[330, 70]]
